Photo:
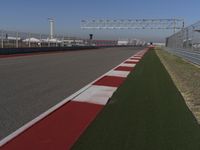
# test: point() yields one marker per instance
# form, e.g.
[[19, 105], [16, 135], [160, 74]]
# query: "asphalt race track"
[[30, 85]]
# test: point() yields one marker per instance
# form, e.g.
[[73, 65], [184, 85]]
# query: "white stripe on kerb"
[[136, 57], [118, 73], [127, 65], [135, 60], [96, 95]]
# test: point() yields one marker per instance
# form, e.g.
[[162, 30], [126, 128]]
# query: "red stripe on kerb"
[[123, 68], [110, 81], [130, 62], [60, 130], [137, 56]]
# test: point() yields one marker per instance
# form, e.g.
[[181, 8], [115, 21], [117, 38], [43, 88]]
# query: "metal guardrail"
[[191, 56]]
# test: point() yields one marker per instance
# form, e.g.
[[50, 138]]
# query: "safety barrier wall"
[[7, 51]]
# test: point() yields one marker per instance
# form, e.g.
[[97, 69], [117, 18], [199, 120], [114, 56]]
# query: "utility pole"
[[174, 26]]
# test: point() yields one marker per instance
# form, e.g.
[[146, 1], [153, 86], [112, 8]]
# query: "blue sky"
[[31, 15]]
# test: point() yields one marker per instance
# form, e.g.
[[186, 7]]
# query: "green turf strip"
[[146, 113]]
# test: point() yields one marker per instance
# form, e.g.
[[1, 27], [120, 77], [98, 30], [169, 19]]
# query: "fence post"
[[29, 40], [40, 40], [17, 44], [1, 38], [56, 41], [63, 41], [48, 42]]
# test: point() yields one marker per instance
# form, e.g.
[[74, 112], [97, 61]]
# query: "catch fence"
[[188, 38], [14, 39]]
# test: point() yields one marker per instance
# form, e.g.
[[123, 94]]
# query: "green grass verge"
[[146, 113], [180, 71]]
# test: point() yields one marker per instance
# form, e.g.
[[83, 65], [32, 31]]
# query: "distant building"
[[122, 42], [104, 42], [159, 44], [133, 42]]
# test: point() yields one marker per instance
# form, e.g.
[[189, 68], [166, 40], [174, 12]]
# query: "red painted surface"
[[151, 46], [139, 56], [110, 81], [58, 131], [123, 68]]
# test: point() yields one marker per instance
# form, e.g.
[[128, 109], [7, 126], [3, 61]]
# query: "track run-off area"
[[146, 113], [32, 84]]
